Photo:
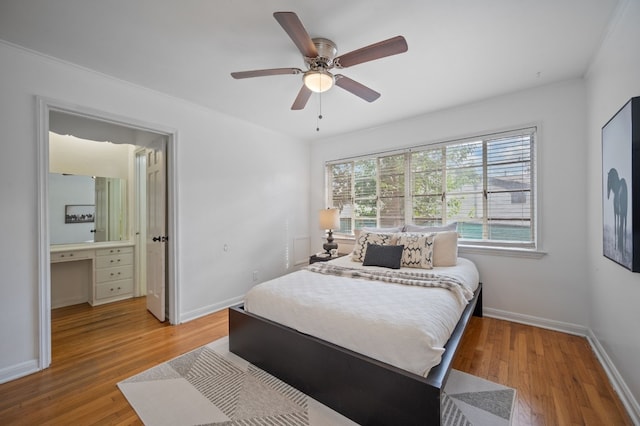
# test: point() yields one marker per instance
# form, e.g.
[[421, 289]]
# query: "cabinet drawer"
[[64, 256], [114, 274], [115, 250], [114, 260], [115, 288]]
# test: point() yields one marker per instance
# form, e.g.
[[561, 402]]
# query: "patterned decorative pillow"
[[418, 250], [360, 248]]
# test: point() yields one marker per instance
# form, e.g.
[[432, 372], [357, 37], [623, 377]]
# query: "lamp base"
[[330, 245]]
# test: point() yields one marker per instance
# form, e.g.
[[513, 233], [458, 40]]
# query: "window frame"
[[482, 245]]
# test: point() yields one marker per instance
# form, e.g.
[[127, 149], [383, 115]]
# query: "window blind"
[[486, 184]]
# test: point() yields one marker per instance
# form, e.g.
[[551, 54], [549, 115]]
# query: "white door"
[[156, 229], [140, 205]]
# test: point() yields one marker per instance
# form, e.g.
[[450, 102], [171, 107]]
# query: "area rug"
[[212, 386]]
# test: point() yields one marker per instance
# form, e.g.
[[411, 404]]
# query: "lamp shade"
[[318, 81], [329, 219]]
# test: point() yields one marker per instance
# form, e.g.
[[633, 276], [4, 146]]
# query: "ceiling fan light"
[[318, 81]]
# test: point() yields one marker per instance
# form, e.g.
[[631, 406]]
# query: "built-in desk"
[[93, 272]]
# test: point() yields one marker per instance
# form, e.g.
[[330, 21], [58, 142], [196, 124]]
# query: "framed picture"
[[620, 186], [79, 213]]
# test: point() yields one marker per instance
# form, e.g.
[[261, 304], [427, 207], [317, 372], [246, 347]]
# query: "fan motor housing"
[[327, 51]]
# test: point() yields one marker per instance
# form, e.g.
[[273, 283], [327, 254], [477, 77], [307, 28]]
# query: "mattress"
[[406, 326]]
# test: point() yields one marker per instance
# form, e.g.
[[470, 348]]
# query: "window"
[[486, 184]]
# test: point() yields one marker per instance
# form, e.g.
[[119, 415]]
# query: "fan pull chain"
[[319, 112]]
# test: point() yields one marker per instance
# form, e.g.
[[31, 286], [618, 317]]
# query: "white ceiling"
[[460, 51]]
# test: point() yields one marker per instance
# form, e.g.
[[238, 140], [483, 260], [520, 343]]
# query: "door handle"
[[161, 239]]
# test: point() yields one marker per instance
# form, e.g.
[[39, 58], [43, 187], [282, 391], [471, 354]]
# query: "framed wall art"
[[621, 186], [79, 213]]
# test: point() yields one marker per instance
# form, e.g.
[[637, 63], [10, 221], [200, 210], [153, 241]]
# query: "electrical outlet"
[[255, 276]]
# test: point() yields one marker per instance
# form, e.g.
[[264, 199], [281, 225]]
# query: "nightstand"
[[315, 258]]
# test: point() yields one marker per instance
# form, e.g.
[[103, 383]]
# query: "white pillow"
[[418, 250], [360, 248], [445, 248], [453, 226], [384, 230]]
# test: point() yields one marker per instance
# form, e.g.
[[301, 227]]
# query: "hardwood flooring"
[[557, 377]]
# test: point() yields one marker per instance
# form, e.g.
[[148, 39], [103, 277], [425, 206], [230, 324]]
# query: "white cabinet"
[[114, 274], [110, 276], [67, 256]]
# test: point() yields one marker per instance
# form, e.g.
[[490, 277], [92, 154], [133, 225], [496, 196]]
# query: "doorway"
[[98, 122]]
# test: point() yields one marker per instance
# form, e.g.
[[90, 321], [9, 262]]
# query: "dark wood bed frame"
[[363, 389]]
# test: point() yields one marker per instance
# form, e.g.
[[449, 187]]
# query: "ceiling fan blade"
[[382, 49], [301, 100], [356, 88], [264, 73], [293, 26]]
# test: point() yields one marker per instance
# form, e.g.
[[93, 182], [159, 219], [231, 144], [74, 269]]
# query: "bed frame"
[[367, 391]]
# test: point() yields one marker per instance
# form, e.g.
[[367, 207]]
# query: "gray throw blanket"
[[417, 278]]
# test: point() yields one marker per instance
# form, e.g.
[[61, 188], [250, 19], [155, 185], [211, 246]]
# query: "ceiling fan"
[[319, 55]]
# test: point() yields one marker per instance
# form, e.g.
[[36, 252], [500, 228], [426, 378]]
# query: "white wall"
[[69, 154], [238, 184], [614, 316], [553, 288]]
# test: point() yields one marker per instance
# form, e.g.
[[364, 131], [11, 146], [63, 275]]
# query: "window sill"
[[501, 251]]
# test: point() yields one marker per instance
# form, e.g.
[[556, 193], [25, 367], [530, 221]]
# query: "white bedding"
[[402, 325]]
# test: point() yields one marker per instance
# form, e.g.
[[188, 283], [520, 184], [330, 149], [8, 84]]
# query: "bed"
[[355, 338]]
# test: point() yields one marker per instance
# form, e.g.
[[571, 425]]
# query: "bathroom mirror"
[[85, 209]]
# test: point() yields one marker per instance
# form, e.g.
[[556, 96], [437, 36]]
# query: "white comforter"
[[402, 325]]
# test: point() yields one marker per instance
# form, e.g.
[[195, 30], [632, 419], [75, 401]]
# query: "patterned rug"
[[212, 386]]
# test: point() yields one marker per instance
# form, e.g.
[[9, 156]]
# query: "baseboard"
[[206, 310], [16, 371], [618, 383], [564, 327]]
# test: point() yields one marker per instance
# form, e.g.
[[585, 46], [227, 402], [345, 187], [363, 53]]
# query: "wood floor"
[[557, 377]]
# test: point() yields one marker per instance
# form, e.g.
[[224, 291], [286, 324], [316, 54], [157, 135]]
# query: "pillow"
[[384, 230], [453, 226], [385, 256], [360, 248], [418, 250], [445, 248]]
